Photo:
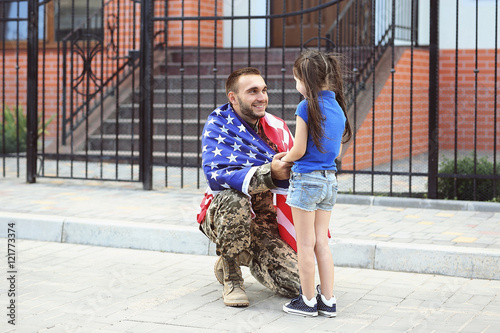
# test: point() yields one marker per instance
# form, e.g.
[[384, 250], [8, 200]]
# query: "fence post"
[[32, 92], [433, 100], [146, 94]]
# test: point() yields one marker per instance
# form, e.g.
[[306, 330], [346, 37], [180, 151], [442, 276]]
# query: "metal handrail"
[[75, 117]]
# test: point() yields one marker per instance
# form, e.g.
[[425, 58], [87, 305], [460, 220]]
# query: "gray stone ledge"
[[418, 203]]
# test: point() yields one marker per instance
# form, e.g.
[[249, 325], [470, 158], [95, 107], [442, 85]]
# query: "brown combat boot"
[[243, 259], [233, 291]]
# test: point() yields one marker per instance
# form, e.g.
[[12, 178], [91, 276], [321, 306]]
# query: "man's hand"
[[280, 170]]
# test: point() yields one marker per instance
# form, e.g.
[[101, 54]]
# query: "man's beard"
[[246, 109]]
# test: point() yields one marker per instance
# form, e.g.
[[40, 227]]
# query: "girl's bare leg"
[[306, 239], [323, 253]]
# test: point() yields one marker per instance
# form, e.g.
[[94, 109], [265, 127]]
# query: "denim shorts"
[[313, 190]]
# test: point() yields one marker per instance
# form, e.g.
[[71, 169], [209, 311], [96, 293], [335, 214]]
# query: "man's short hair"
[[232, 79]]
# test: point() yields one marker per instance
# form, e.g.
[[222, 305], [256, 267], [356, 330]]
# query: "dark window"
[[14, 24], [82, 16], [63, 17]]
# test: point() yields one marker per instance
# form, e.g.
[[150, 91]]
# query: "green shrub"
[[465, 187], [13, 129]]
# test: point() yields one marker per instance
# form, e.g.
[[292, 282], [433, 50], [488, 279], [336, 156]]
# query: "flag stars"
[[223, 129], [220, 139], [252, 155], [231, 158], [206, 134], [238, 138], [236, 147], [247, 164], [217, 151], [211, 121], [242, 128], [229, 119], [213, 165], [215, 174]]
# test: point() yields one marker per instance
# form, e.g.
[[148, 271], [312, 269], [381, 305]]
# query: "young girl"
[[321, 129]]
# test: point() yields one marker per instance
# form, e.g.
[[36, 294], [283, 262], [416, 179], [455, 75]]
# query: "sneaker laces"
[[296, 299]]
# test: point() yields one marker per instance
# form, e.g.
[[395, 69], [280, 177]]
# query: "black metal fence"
[[119, 90]]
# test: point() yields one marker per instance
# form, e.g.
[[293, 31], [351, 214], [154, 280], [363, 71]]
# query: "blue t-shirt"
[[334, 126]]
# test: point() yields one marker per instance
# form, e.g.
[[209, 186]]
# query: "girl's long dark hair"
[[319, 71]]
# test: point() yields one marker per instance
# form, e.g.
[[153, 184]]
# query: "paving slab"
[[65, 287]]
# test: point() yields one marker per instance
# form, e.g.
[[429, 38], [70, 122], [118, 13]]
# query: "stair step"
[[187, 159], [129, 137], [171, 81], [195, 106], [237, 54], [130, 122], [135, 153], [127, 121], [222, 68], [353, 57], [160, 142], [211, 91], [174, 127], [207, 96], [190, 110]]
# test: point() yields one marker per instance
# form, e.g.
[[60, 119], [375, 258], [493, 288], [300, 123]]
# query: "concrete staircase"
[[184, 98]]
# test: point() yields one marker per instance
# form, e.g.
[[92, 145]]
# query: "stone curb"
[[402, 257], [109, 233], [418, 203], [474, 263]]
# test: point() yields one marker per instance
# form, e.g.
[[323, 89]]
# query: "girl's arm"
[[300, 143]]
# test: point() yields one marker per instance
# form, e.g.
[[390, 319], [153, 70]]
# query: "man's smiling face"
[[250, 102]]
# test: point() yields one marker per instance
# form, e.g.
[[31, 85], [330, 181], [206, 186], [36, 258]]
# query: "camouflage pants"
[[229, 225]]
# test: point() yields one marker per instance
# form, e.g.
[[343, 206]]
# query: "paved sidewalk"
[[77, 288], [412, 235]]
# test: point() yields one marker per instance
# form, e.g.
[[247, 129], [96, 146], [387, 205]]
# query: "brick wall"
[[468, 105], [398, 109], [209, 30], [466, 109]]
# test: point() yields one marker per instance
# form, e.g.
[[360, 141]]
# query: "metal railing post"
[[146, 95], [32, 92], [433, 158]]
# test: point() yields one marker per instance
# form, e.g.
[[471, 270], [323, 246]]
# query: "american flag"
[[231, 153]]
